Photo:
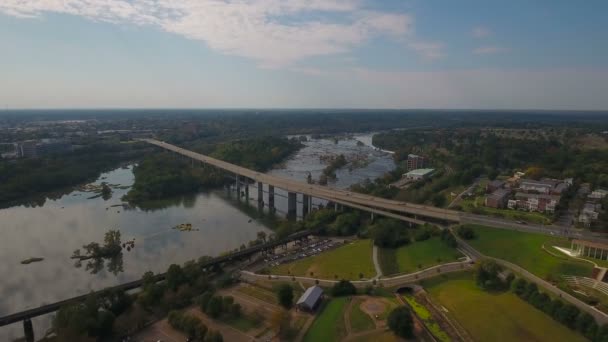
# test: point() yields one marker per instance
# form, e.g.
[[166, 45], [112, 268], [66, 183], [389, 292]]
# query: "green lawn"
[[525, 250], [329, 324], [345, 262], [426, 317], [359, 320], [416, 256], [495, 316]]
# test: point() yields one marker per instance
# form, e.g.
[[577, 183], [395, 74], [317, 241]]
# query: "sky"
[[466, 54]]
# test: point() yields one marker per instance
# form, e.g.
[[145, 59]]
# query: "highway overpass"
[[414, 213]]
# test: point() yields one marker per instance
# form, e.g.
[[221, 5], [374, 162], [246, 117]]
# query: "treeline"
[[24, 178], [485, 152], [259, 154], [565, 313], [193, 327]]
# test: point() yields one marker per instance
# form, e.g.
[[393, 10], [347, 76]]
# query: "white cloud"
[[481, 32], [428, 50], [489, 50], [257, 29]]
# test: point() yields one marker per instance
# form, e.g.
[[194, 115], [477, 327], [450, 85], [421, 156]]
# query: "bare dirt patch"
[[373, 307]]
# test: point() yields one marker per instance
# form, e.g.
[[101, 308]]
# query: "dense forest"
[[259, 154], [25, 178]]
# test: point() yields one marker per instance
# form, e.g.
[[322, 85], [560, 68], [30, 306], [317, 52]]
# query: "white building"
[[419, 174]]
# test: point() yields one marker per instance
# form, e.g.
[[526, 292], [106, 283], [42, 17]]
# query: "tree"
[[261, 236], [401, 323], [465, 232], [285, 295], [175, 276], [583, 321], [519, 286], [438, 200], [214, 307], [389, 233], [487, 275], [343, 288]]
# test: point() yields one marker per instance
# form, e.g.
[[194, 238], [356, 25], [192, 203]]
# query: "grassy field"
[[428, 320], [359, 320], [345, 262], [416, 256], [525, 250], [381, 336], [495, 316], [329, 324]]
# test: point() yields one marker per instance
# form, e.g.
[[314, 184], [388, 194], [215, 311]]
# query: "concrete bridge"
[[413, 213]]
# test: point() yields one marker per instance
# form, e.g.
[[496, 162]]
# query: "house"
[[415, 162], [419, 174], [494, 185], [311, 298], [598, 194], [589, 213], [534, 202], [498, 198], [541, 186]]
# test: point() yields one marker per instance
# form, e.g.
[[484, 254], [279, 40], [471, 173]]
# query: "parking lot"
[[301, 249]]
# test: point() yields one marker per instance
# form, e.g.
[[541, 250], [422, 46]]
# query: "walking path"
[[376, 262]]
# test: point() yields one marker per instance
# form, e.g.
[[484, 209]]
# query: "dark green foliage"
[[345, 224], [189, 324], [566, 314], [175, 276], [487, 275], [164, 175], [390, 233], [449, 239], [465, 232], [343, 288], [259, 154], [401, 323], [285, 295], [422, 234], [89, 318], [214, 307], [22, 179], [518, 286]]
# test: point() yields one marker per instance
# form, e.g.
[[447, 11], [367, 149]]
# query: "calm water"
[[57, 228]]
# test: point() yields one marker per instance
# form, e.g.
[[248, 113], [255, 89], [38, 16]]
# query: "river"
[[60, 226]]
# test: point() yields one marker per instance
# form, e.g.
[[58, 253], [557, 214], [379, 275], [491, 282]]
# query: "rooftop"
[[420, 172], [310, 296]]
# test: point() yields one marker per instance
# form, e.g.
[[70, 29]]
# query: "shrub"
[[401, 323]]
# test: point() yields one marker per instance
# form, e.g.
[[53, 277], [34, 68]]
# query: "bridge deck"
[[360, 201]]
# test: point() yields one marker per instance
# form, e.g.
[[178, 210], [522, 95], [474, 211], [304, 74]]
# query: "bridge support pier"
[[28, 330], [238, 186], [270, 198], [246, 189], [291, 205], [305, 205], [260, 193]]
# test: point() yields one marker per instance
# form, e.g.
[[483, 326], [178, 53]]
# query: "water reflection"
[[53, 226]]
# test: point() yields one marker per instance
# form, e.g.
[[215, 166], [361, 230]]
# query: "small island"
[[31, 260]]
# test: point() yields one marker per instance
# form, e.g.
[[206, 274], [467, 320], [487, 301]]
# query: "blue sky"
[[304, 54]]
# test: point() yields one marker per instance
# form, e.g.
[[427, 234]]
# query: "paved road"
[[399, 280]]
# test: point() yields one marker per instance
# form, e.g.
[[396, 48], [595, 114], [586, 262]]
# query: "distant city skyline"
[[390, 54]]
